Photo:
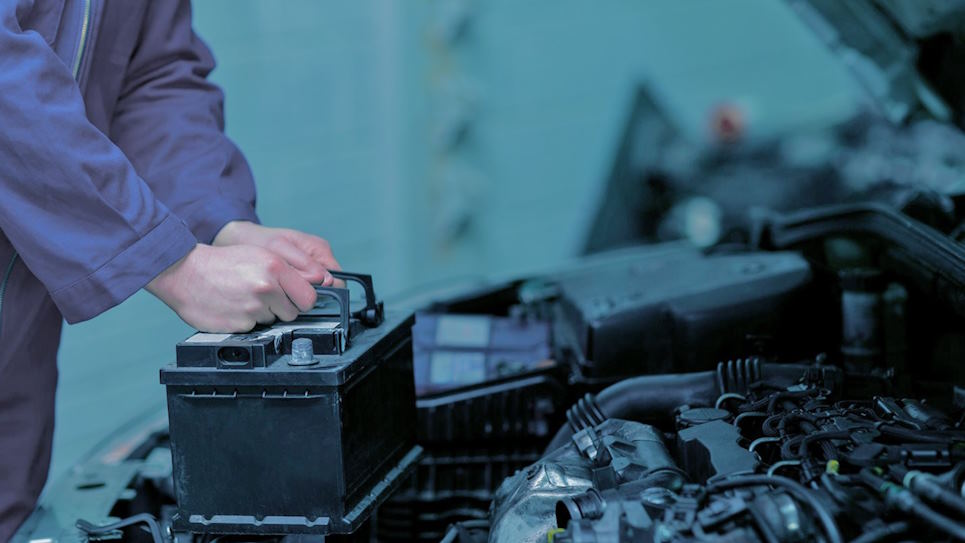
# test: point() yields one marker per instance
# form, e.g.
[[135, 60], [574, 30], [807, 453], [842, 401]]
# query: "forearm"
[[170, 123], [74, 207]]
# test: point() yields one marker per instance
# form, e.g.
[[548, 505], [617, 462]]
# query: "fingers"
[[297, 289], [312, 270], [332, 264], [280, 291], [317, 248], [284, 310], [279, 302], [264, 315]]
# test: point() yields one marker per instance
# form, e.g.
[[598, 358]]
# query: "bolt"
[[303, 353]]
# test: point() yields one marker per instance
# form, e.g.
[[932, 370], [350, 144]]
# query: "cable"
[[782, 464], [768, 427], [771, 399], [788, 418], [789, 395], [152, 525], [792, 487], [903, 500], [925, 486], [914, 435], [787, 446], [740, 418], [728, 396], [821, 436], [833, 490], [938, 520], [451, 534], [880, 534]]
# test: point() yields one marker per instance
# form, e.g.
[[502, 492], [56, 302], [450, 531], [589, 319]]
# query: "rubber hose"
[[885, 532], [649, 398]]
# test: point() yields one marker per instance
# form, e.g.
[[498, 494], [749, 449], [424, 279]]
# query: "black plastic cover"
[[671, 308]]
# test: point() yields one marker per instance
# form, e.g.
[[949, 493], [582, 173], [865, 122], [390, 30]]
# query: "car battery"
[[295, 428]]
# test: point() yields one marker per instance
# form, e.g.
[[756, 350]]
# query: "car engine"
[[804, 387]]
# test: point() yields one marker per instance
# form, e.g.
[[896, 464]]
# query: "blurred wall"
[[433, 139]]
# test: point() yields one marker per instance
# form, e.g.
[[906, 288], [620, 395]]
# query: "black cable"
[[152, 524], [880, 534], [763, 526], [902, 499], [833, 489], [788, 395], [811, 429], [788, 446], [771, 399], [925, 486], [767, 427], [792, 417], [938, 520], [917, 436], [794, 488], [820, 436]]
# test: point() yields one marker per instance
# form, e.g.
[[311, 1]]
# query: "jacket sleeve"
[[169, 121], [72, 205]]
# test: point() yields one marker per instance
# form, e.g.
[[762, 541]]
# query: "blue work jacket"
[[113, 158]]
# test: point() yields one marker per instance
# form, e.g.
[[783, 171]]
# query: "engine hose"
[[821, 436], [584, 414], [902, 499], [917, 436], [880, 534], [943, 523], [925, 486], [653, 398], [738, 375], [649, 398]]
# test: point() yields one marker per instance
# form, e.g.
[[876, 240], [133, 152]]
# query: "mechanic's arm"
[[170, 123], [85, 223]]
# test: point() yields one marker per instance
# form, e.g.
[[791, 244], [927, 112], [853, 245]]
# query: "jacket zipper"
[[81, 45]]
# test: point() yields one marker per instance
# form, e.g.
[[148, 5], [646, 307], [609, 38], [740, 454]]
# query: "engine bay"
[[804, 386]]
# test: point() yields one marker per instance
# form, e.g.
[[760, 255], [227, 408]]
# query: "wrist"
[[234, 233], [166, 285]]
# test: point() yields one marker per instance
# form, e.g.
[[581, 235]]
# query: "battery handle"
[[372, 314]]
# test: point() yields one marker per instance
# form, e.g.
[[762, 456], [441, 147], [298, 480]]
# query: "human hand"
[[310, 255], [230, 289]]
